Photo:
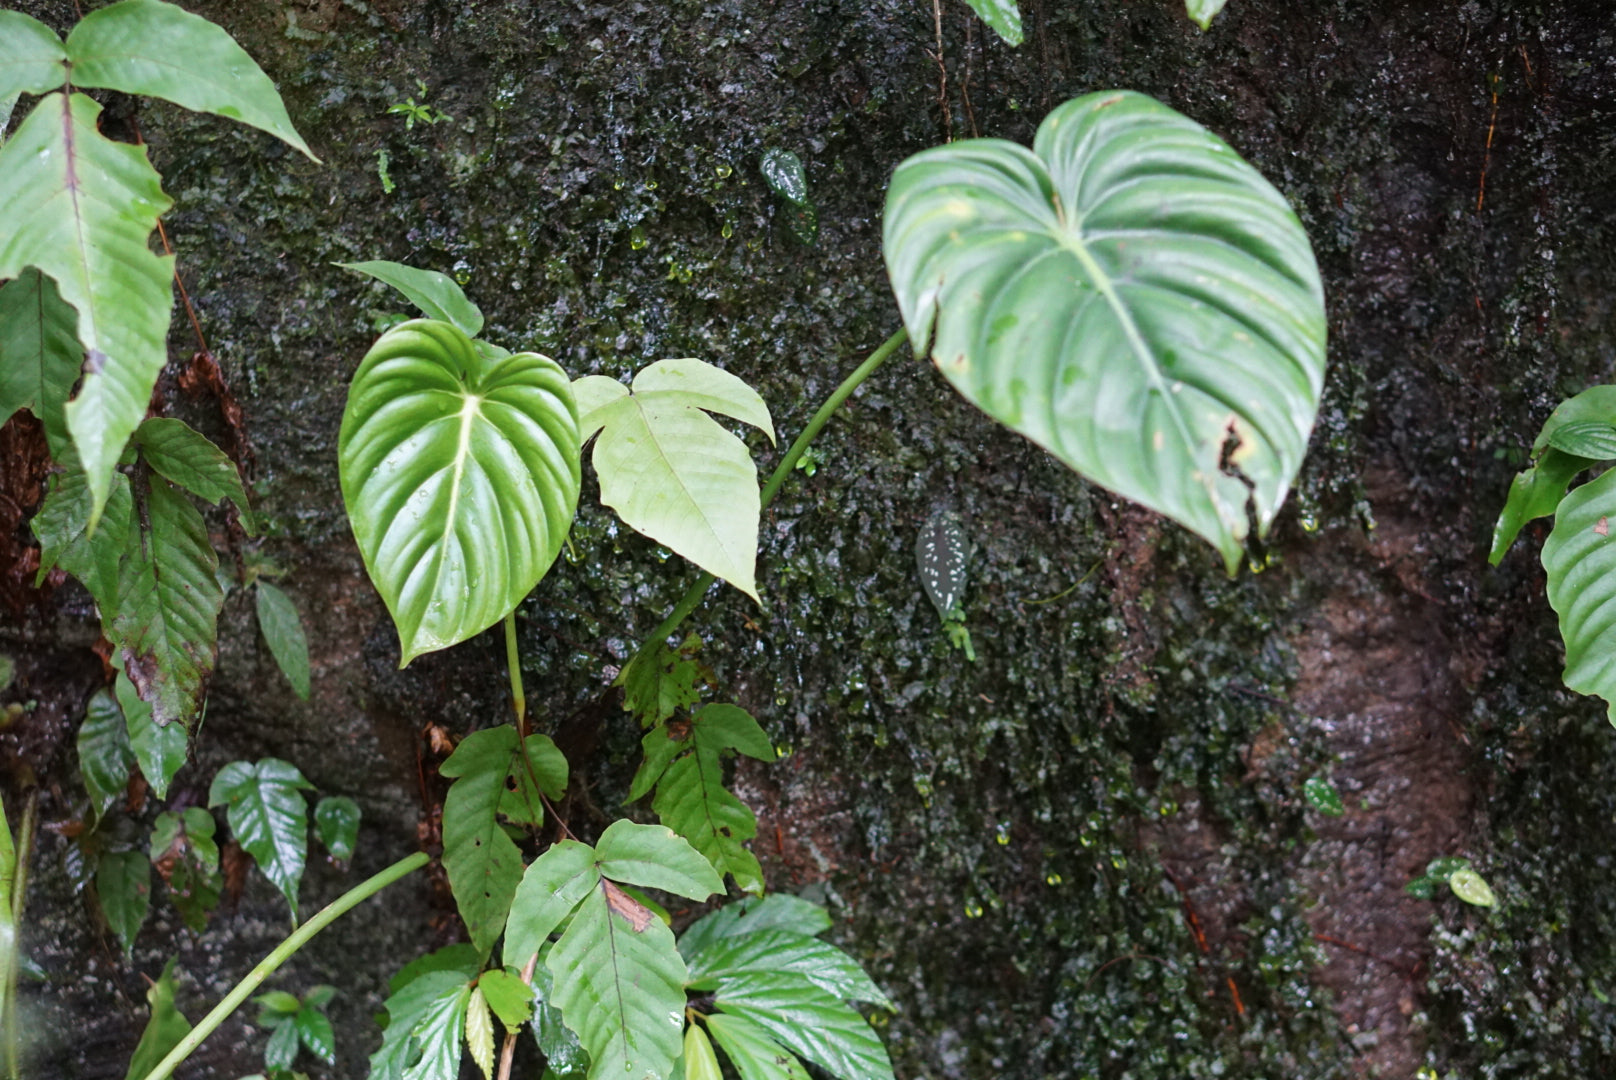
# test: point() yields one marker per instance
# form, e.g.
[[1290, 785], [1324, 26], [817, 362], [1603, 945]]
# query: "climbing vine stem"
[[514, 661], [282, 952]]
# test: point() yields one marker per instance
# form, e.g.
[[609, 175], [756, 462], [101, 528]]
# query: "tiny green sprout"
[[411, 112], [381, 172], [811, 458]]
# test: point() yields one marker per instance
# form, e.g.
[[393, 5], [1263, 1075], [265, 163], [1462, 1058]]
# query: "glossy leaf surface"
[[123, 885], [159, 748], [698, 1061], [40, 355], [425, 982], [185, 456], [754, 1055], [157, 49], [104, 752], [809, 1021], [186, 855], [1002, 15], [269, 816], [1130, 295], [777, 950], [283, 633], [164, 1028], [670, 470], [438, 296], [544, 772], [1592, 439], [336, 822], [83, 208], [460, 474], [62, 529], [941, 555], [1535, 492], [751, 915], [1580, 559], [1472, 888]]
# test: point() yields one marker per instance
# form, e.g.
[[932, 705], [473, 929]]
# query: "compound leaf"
[[1002, 16], [1203, 11], [730, 727], [660, 746], [776, 950], [657, 682], [123, 885], [1130, 295], [749, 1048], [269, 816], [1580, 559], [438, 295], [158, 748], [546, 767], [553, 885], [336, 822], [692, 801], [104, 752], [283, 632], [185, 456], [169, 598], [40, 355], [483, 863], [32, 57], [652, 857], [461, 477], [808, 1020], [164, 1030], [671, 471], [82, 207], [160, 50]]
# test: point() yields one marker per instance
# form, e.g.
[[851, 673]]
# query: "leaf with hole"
[[660, 681], [439, 296], [1002, 16], [268, 814], [40, 355], [104, 752], [460, 473], [670, 470], [1580, 560], [336, 822], [1130, 295]]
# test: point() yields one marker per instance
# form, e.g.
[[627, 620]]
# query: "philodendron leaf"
[[1203, 11], [1535, 492], [169, 598], [185, 456], [1002, 15], [133, 46], [1580, 559], [336, 821], [460, 474], [1129, 294], [123, 885], [159, 748], [269, 817], [104, 753], [484, 864], [283, 632], [164, 1030], [40, 355], [31, 56], [670, 470], [439, 296], [81, 209]]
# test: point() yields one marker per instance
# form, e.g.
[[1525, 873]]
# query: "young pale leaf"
[[315, 1032], [776, 950], [164, 1030], [123, 885], [1203, 11], [437, 1033], [480, 1032], [40, 346], [941, 553], [671, 471], [104, 753], [651, 856], [1322, 796], [461, 476], [132, 45], [692, 801], [509, 997], [699, 1061], [1580, 560], [62, 528], [777, 911], [1592, 439], [276, 1007], [159, 749], [336, 822], [754, 1055], [1130, 295], [185, 456], [553, 885], [186, 855], [168, 606], [808, 1020], [438, 295], [1002, 15], [269, 816], [411, 994], [82, 207], [32, 59], [619, 983], [483, 864], [1472, 888], [283, 632]]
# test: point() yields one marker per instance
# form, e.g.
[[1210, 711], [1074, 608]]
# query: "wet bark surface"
[[1088, 854]]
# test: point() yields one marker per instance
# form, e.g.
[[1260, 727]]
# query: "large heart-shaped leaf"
[[461, 473], [1580, 558], [1130, 295], [82, 207], [670, 471]]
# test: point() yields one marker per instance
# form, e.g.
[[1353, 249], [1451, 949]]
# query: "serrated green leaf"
[[480, 1032], [461, 477], [423, 984], [692, 801], [82, 207], [166, 626], [509, 997], [438, 1033], [660, 746], [164, 1029], [754, 1055], [546, 768], [135, 46], [619, 983], [104, 753], [698, 1060], [40, 355], [1580, 560], [276, 1007], [483, 865], [660, 681], [1002, 15], [283, 633], [62, 529], [777, 911], [653, 857], [553, 885], [1472, 888], [775, 950], [1322, 796], [1592, 439], [730, 727], [32, 58], [806, 1019], [336, 822], [1203, 11], [439, 296], [269, 817], [159, 749], [123, 885], [462, 959], [185, 456], [281, 1050], [1130, 295], [671, 471], [185, 853]]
